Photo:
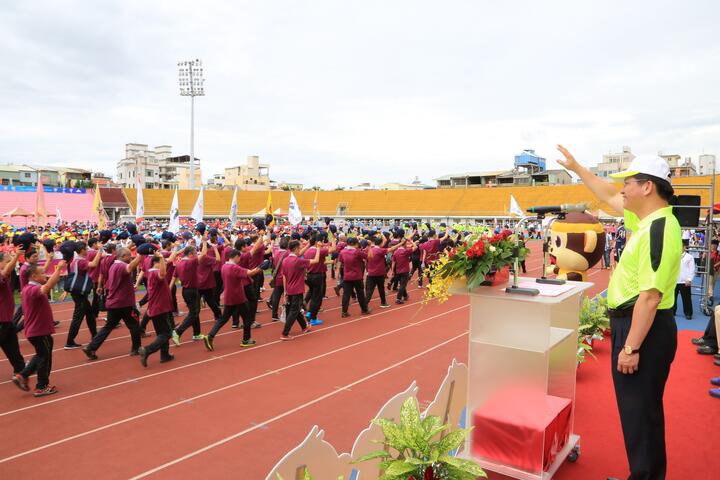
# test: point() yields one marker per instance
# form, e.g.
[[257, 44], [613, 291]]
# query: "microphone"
[[564, 208]]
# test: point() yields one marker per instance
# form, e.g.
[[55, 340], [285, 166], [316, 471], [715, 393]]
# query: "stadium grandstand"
[[439, 204]]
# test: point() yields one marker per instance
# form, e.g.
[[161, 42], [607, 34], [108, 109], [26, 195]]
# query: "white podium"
[[522, 363]]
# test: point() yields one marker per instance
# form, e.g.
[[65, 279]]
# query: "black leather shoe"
[[698, 341], [688, 317], [707, 350]]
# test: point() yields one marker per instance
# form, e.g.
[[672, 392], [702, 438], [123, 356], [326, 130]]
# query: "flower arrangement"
[[480, 256], [594, 322]]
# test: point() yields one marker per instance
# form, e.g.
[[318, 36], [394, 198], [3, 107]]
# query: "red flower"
[[470, 253], [479, 248]]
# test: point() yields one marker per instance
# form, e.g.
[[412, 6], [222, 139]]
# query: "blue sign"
[[22, 188]]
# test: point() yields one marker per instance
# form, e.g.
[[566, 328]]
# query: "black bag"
[[273, 280], [78, 283], [101, 301]]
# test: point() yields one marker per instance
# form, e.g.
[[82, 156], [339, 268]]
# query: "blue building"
[[529, 161]]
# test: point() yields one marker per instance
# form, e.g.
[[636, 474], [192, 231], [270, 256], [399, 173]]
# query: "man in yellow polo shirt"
[[641, 296]]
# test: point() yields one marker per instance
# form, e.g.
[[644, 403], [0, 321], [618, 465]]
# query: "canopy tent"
[[18, 212]]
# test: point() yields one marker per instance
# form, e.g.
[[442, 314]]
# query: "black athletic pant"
[[684, 291], [234, 311], [275, 299], [82, 309], [41, 362], [10, 346], [416, 267], [353, 286], [375, 281], [219, 287], [710, 335], [17, 319], [258, 282], [192, 300], [251, 305], [208, 294], [129, 315], [163, 327], [173, 296], [293, 313], [315, 293], [403, 279], [640, 395]]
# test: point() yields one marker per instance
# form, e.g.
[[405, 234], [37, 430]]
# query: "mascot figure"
[[577, 242]]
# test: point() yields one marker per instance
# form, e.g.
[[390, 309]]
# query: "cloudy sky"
[[343, 92]]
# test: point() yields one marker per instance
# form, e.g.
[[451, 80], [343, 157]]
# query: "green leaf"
[[459, 474], [461, 464], [373, 455], [394, 436], [400, 467], [452, 440], [306, 475], [410, 415], [417, 461]]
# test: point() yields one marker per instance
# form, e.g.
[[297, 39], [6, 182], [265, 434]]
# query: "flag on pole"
[[294, 213], [40, 212], [139, 202], [316, 212], [269, 217], [98, 209], [199, 208], [58, 216], [515, 208], [174, 225], [233, 208]]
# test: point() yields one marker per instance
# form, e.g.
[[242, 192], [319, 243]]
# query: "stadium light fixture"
[[190, 78]]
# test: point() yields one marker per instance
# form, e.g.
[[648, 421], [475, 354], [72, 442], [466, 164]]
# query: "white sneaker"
[[176, 338], [198, 337]]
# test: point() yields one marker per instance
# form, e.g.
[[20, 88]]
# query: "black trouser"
[[144, 298], [275, 298], [684, 291], [416, 266], [163, 327], [192, 300], [251, 305], [522, 266], [353, 286], [17, 319], [371, 282], [293, 313], [173, 296], [258, 281], [315, 293], [234, 311], [208, 294], [129, 315], [219, 287], [11, 348], [82, 309], [403, 279], [95, 304], [710, 335], [640, 395], [41, 362]]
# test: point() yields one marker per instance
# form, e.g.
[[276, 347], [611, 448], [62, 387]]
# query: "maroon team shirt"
[[7, 302], [401, 256], [169, 267], [37, 312], [159, 299], [352, 259], [94, 272], [256, 258], [431, 247], [119, 286], [80, 263], [294, 269], [24, 278], [105, 265], [376, 264], [277, 254], [319, 267], [205, 269], [186, 271], [219, 262], [234, 278]]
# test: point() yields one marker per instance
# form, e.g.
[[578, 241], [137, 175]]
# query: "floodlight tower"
[[191, 80]]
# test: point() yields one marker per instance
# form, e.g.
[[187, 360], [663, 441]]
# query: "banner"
[[294, 213], [199, 208], [99, 210], [139, 202], [515, 208], [269, 217], [58, 216], [316, 212], [174, 225], [40, 212], [233, 208]]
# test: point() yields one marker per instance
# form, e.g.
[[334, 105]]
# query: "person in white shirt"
[[687, 273]]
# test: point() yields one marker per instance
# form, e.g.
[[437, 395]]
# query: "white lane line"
[[227, 387], [133, 380], [294, 410]]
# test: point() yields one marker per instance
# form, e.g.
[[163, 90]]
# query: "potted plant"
[[481, 259], [594, 322], [419, 449]]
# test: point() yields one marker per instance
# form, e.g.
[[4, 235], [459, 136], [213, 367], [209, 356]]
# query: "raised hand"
[[569, 163]]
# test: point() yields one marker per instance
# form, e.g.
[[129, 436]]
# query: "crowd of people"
[[223, 265]]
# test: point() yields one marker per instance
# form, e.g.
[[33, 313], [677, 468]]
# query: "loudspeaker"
[[687, 215]]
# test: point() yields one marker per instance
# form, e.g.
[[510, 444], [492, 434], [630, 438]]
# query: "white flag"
[[515, 208], [199, 208], [58, 217], [233, 208], [174, 225], [139, 202], [294, 213]]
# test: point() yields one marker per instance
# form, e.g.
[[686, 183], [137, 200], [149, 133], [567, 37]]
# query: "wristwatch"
[[629, 350]]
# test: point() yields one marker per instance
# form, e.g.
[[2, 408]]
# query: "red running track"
[[238, 411]]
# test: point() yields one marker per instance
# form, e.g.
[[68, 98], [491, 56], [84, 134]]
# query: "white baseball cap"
[[647, 164]]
